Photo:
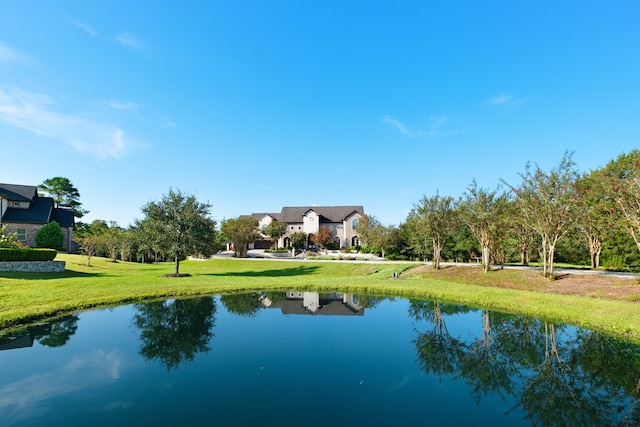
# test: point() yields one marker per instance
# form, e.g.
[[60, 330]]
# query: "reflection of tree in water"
[[619, 361], [438, 351], [246, 305], [485, 367], [175, 331], [556, 394], [61, 332], [589, 379], [368, 301]]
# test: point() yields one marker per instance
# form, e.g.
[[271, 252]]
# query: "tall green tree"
[[435, 219], [482, 211], [182, 225], [597, 213], [275, 230], [299, 240], [384, 237], [241, 231], [365, 227], [64, 194], [623, 178], [547, 203]]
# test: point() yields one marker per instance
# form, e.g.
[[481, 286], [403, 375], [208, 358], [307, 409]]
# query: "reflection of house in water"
[[12, 342], [330, 304]]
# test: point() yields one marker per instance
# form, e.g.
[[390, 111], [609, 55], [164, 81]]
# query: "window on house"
[[354, 223], [21, 234]]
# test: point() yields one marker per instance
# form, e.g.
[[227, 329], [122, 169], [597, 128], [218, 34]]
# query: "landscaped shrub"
[[615, 263], [7, 240], [27, 254], [50, 236]]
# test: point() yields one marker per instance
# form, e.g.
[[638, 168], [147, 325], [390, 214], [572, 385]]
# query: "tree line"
[[553, 215], [549, 216]]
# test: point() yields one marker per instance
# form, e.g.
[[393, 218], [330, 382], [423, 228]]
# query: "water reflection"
[[298, 302], [52, 334], [570, 379], [503, 369], [175, 331]]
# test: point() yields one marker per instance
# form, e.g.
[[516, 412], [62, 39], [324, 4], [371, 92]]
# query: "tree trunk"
[[524, 256], [485, 259], [544, 256], [551, 254], [177, 264], [437, 248]]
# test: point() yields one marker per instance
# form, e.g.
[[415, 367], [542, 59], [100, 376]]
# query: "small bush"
[[615, 263], [27, 254], [50, 236]]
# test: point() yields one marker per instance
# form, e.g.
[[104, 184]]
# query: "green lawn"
[[26, 297]]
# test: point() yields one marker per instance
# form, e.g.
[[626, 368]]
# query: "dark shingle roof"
[[64, 217], [39, 212], [329, 213], [329, 308], [18, 193]]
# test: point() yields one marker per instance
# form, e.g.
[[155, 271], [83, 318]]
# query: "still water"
[[301, 358]]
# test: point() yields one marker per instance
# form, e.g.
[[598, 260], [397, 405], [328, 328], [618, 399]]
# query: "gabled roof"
[[18, 193], [293, 214], [64, 217], [330, 308], [259, 216], [39, 212]]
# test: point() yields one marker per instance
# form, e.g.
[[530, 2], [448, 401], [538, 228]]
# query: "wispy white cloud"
[[127, 106], [84, 27], [130, 40], [8, 54], [508, 99], [33, 396], [398, 125], [434, 126], [34, 113]]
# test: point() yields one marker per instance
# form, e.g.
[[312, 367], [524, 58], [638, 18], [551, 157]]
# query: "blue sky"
[[255, 105]]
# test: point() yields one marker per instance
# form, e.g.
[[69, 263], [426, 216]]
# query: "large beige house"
[[24, 212], [340, 220]]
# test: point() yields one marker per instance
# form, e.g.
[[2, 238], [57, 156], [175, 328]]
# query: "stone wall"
[[33, 266]]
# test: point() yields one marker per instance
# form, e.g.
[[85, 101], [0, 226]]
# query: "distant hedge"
[[27, 254]]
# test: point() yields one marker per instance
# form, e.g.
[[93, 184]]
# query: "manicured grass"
[[26, 297]]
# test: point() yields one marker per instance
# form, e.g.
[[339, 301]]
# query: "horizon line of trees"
[[549, 216]]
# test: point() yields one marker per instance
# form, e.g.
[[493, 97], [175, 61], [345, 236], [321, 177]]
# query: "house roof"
[[18, 193], [39, 212], [292, 214], [63, 216], [259, 216], [328, 308]]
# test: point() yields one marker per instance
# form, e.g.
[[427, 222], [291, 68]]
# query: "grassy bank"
[[26, 297]]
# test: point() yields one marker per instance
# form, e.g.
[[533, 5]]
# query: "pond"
[[303, 358]]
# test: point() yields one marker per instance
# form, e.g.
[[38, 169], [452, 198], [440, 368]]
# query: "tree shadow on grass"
[[67, 274], [281, 272]]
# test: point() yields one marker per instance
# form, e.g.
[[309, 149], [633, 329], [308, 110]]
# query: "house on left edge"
[[23, 212]]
